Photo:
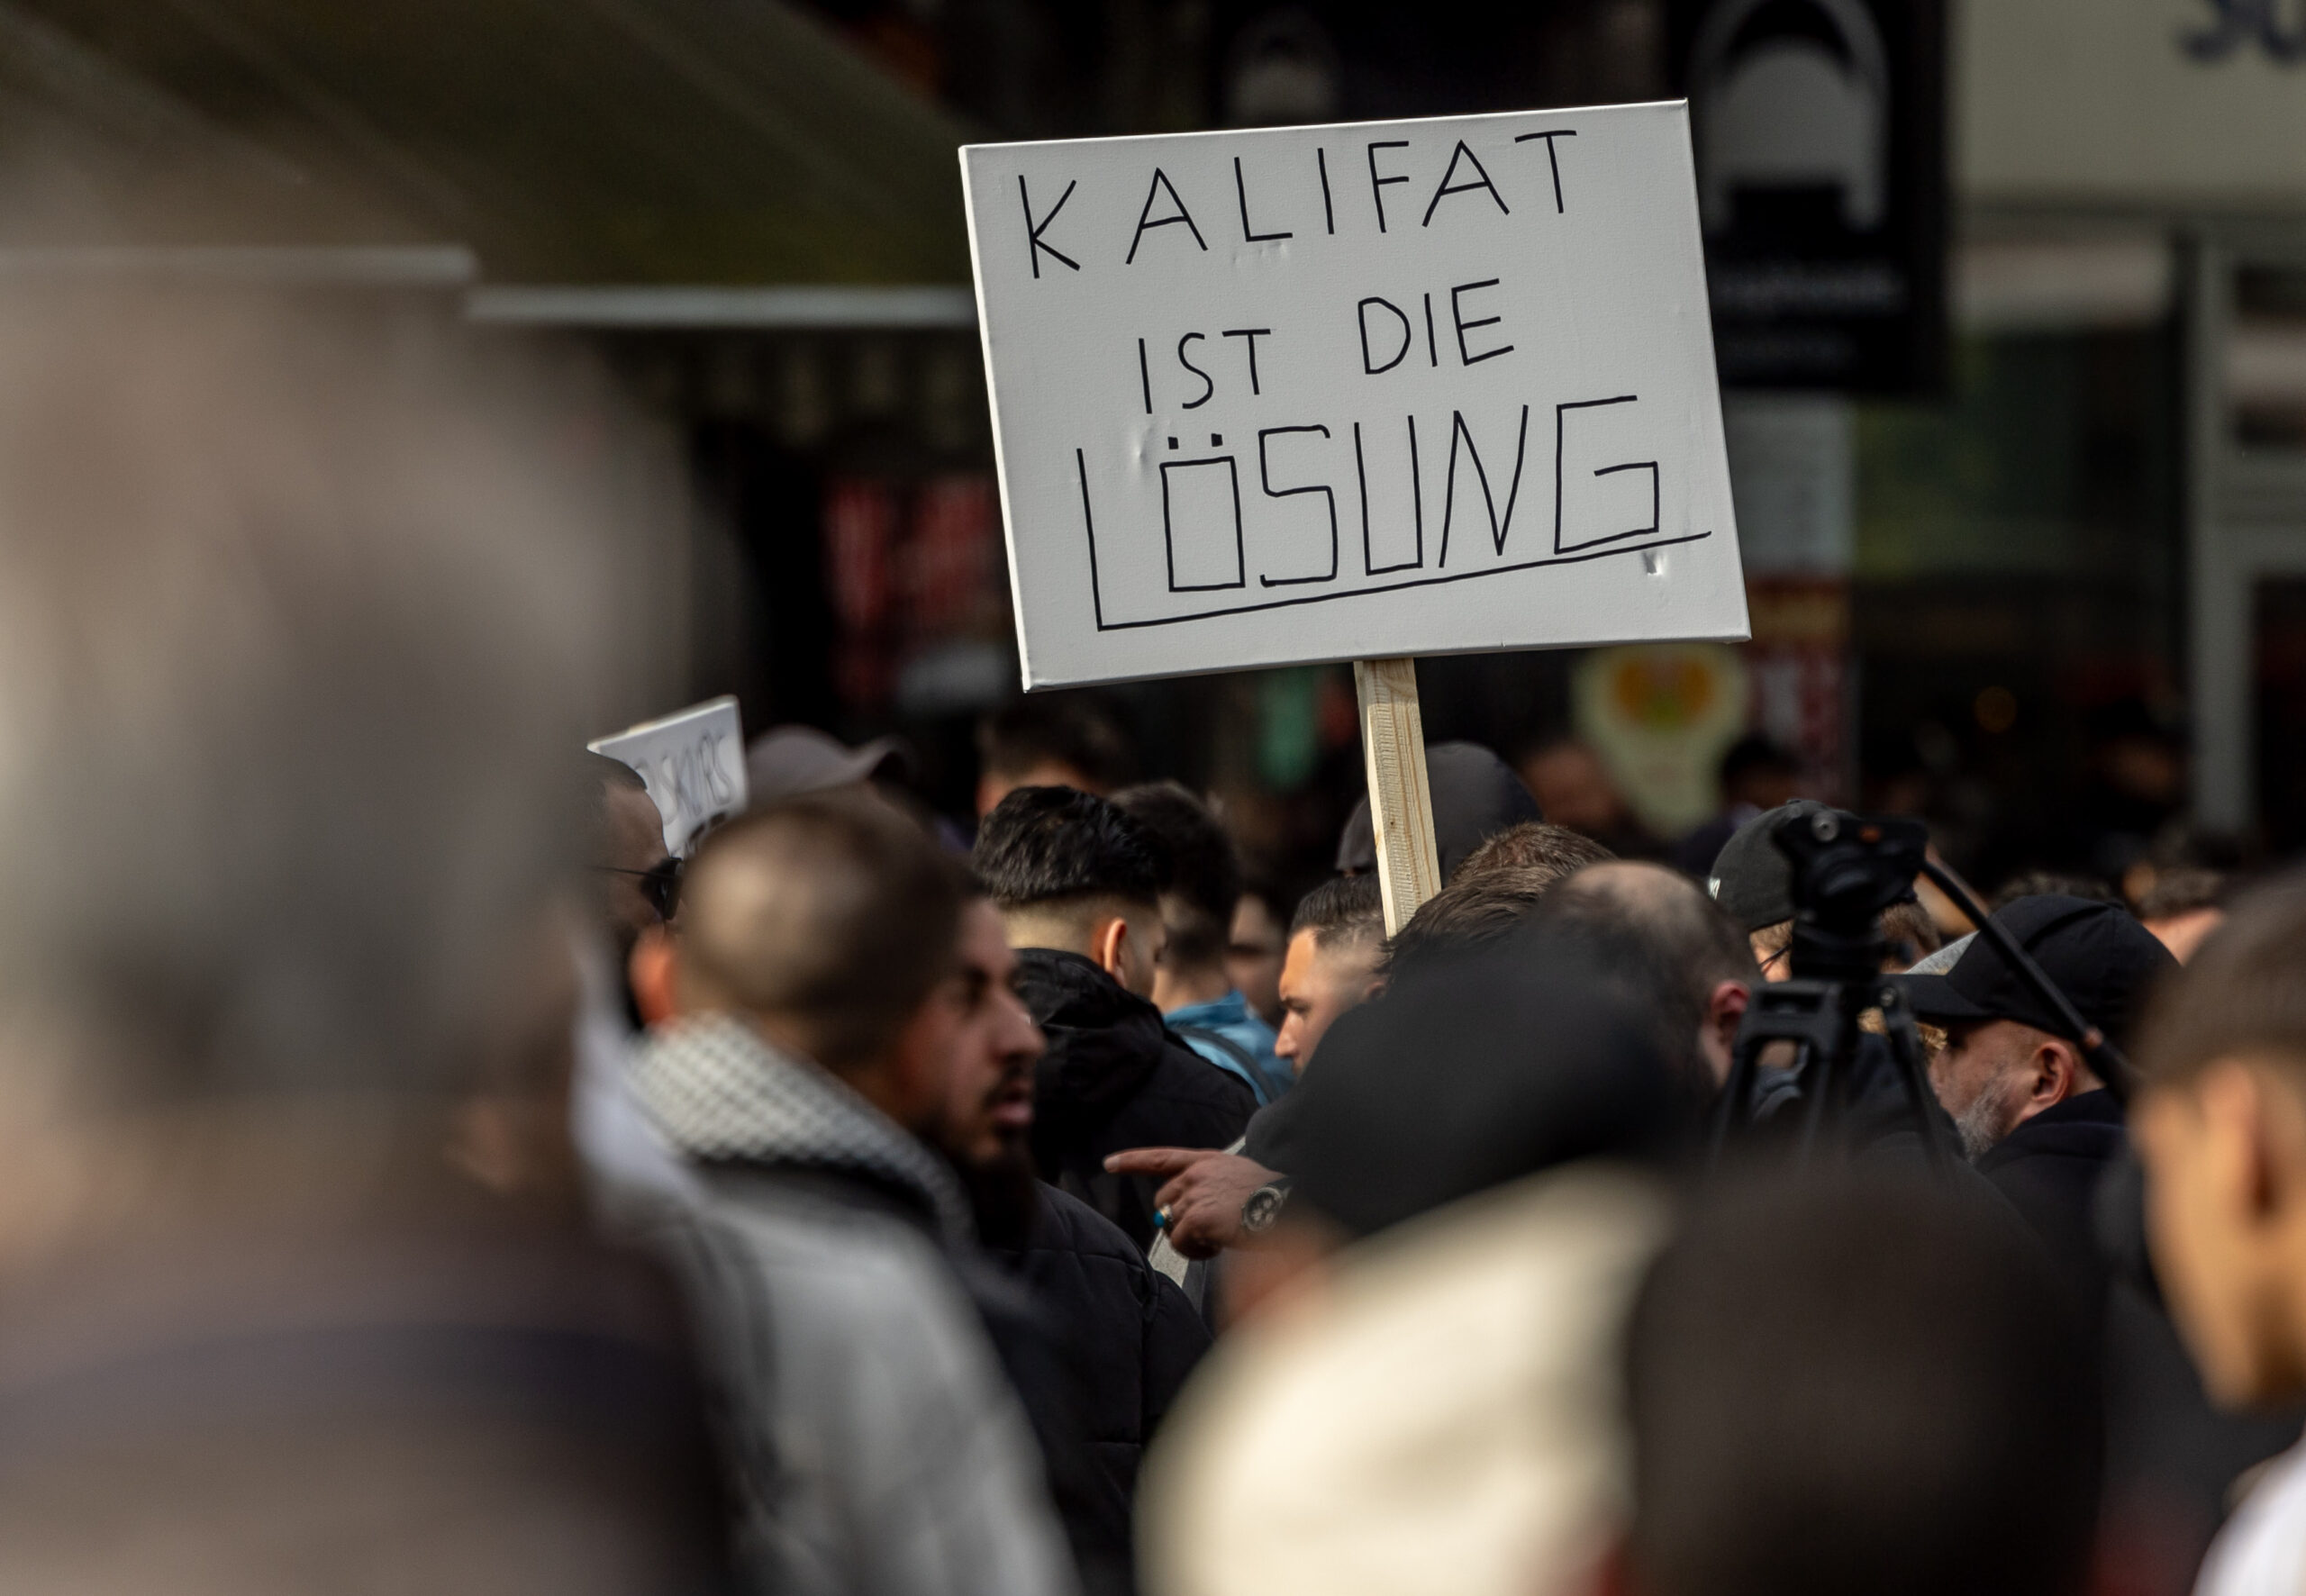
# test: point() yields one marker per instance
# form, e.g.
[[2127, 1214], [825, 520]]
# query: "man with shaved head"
[[1683, 962], [825, 991]]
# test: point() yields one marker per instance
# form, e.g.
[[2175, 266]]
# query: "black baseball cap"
[[2097, 954], [1752, 878], [1476, 796]]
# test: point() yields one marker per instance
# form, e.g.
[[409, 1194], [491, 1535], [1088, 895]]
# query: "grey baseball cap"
[[786, 761]]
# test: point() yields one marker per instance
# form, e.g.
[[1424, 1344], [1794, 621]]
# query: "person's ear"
[[2236, 1111], [1725, 1010], [653, 973], [2278, 1151], [1717, 1038], [1109, 945], [2056, 1069]]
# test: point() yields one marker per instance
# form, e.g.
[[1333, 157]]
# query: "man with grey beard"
[[2034, 1118]]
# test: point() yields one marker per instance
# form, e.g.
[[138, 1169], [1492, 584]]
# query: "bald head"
[[1650, 892], [827, 918], [1670, 943], [1665, 908]]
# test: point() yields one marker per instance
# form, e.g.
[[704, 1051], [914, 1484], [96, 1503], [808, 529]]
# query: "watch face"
[[1262, 1208]]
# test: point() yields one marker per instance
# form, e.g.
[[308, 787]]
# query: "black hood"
[[1103, 1039]]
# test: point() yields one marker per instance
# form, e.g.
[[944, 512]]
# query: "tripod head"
[[1846, 870]]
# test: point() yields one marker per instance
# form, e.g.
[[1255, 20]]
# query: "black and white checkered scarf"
[[717, 1090]]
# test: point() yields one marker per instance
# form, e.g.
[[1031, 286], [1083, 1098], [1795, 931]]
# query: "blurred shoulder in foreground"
[[302, 615]]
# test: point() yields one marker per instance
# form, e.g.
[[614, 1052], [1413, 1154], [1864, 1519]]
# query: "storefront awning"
[[632, 144]]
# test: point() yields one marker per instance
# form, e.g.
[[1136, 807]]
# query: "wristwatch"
[[1264, 1207]]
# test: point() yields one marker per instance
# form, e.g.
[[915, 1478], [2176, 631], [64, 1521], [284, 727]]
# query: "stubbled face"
[[1984, 1076], [1317, 985], [989, 1095], [2225, 1158]]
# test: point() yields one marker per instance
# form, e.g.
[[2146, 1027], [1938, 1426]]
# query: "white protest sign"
[[1312, 393], [694, 763]]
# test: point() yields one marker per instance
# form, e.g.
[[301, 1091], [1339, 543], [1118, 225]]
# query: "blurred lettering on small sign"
[[693, 762], [1299, 395]]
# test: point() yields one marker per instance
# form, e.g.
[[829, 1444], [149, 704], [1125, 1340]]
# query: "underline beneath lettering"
[[1323, 598]]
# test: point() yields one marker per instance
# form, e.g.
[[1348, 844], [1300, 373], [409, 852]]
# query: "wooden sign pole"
[[1400, 803]]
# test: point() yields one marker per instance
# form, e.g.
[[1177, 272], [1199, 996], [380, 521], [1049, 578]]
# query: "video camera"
[[1846, 871]]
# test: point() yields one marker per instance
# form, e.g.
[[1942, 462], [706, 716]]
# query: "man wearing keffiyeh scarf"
[[875, 1442]]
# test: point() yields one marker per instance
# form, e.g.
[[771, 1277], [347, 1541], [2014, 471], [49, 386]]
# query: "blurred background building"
[[2011, 297]]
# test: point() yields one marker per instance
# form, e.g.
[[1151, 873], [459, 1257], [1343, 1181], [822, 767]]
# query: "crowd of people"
[[1451, 1263], [417, 1178]]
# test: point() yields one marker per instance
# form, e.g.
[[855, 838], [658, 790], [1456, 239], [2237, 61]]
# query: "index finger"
[[1155, 1161]]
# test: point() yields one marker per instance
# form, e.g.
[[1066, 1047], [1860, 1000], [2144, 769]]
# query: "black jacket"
[[1129, 1338], [2049, 1169], [1115, 1077]]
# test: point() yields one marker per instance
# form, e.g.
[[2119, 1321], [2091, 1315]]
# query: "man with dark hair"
[[823, 1001], [1051, 740], [2222, 1126], [1078, 883], [1097, 1344], [1336, 944], [1192, 987], [1491, 892], [1337, 948], [1466, 915], [1533, 846], [1840, 1385]]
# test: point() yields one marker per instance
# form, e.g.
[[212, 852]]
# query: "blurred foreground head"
[[301, 623], [826, 922], [2221, 1127], [1475, 1071], [1840, 1385], [1435, 1412], [294, 639]]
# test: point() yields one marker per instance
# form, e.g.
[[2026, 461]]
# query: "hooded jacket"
[[1138, 1336], [2049, 1169], [1115, 1077], [873, 1442]]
